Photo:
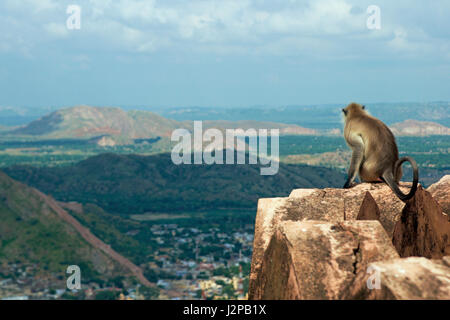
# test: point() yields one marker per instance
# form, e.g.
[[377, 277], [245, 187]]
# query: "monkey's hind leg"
[[357, 146]]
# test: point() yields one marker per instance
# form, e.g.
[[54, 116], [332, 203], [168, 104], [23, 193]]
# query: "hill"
[[88, 122], [132, 184], [125, 126], [419, 128], [36, 233]]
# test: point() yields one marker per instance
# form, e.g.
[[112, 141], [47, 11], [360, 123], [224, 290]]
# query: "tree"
[[107, 295], [149, 293], [229, 290]]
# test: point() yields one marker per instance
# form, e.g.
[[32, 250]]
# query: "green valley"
[[131, 184]]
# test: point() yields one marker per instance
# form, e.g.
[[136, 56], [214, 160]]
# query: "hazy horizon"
[[251, 106]]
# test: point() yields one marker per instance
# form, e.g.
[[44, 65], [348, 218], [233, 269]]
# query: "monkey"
[[375, 154]]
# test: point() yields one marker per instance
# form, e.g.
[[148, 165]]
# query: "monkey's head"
[[354, 109]]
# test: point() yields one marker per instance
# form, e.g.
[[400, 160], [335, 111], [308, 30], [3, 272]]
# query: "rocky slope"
[[95, 242], [35, 229], [440, 191], [359, 243]]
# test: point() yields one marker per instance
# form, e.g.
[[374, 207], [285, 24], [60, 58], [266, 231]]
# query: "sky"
[[228, 53]]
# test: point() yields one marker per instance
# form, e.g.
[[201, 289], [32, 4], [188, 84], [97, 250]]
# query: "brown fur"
[[375, 154]]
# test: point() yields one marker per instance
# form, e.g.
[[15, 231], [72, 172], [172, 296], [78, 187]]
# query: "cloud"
[[56, 29], [322, 28], [33, 6]]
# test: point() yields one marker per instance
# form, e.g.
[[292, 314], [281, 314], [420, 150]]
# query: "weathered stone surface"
[[275, 210], [313, 245], [347, 202], [389, 205], [441, 193], [424, 229], [315, 204], [316, 259], [403, 279], [330, 205], [267, 219], [369, 209]]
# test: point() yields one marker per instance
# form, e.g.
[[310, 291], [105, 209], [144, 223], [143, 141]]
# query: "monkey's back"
[[380, 148]]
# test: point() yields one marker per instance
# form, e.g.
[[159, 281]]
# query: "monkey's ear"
[[344, 111], [364, 107]]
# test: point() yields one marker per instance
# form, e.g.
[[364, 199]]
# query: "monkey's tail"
[[394, 186]]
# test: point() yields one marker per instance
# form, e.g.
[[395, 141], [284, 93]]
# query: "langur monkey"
[[375, 154]]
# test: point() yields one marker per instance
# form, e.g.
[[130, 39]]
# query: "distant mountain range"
[[123, 126], [15, 116], [323, 117], [411, 128]]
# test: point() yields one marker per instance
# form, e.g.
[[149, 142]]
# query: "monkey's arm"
[[357, 145]]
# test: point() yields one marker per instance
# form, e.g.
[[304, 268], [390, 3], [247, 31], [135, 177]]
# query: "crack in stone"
[[355, 253]]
